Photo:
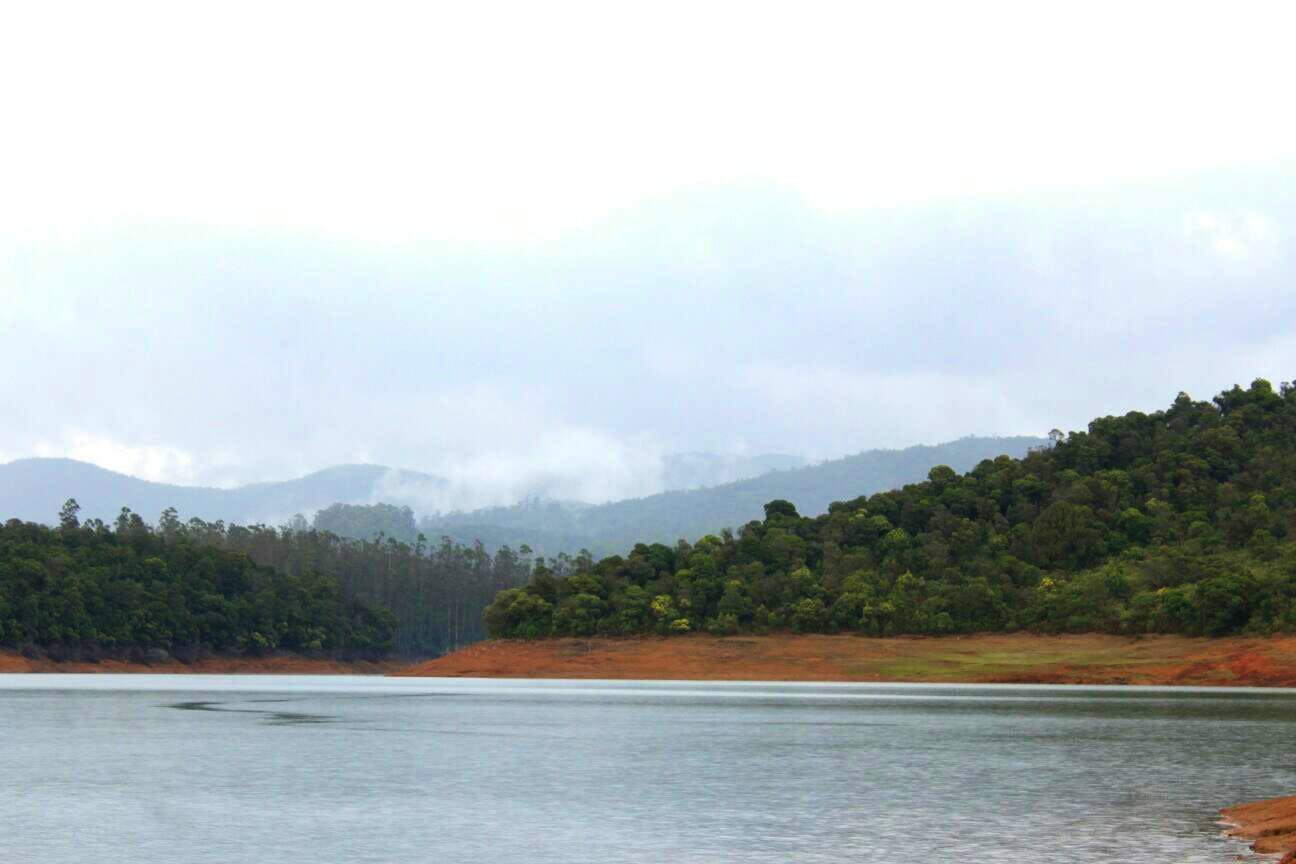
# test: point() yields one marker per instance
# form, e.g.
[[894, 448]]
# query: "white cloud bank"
[[533, 247], [1239, 236], [160, 464]]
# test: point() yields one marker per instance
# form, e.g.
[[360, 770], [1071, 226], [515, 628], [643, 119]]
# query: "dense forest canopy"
[[1178, 521], [367, 521], [83, 589]]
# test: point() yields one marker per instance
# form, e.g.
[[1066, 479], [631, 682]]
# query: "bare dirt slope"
[[1020, 658], [1269, 824]]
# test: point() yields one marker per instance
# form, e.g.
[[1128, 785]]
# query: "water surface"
[[142, 768]]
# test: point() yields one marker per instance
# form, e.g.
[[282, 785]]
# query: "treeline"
[[84, 590], [435, 591], [1180, 521], [81, 591]]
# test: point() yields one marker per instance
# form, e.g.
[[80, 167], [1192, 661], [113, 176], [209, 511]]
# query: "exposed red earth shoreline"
[[991, 658], [1270, 825]]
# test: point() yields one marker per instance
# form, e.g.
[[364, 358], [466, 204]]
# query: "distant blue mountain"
[[34, 490], [550, 527], [695, 470]]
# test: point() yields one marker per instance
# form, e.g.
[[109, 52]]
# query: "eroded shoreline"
[[993, 658], [1269, 825], [989, 658]]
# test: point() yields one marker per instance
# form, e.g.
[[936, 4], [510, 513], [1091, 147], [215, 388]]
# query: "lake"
[[162, 768]]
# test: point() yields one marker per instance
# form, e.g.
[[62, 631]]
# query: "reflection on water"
[[277, 769], [272, 717]]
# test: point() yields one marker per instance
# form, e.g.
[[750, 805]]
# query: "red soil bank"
[[1269, 824], [1008, 658]]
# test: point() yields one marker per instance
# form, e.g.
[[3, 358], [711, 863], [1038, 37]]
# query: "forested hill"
[[80, 592], [34, 489], [1180, 521], [86, 589], [552, 527]]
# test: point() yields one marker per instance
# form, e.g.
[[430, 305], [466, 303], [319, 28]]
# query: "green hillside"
[[1177, 521]]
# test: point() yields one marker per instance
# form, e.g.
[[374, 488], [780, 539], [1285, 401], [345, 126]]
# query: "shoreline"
[[1016, 658], [12, 662], [1269, 825]]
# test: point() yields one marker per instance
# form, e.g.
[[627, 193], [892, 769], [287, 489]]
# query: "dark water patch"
[[274, 718]]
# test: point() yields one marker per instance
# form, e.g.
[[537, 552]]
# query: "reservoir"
[[166, 768]]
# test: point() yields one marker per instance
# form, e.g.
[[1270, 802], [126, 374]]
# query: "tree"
[[68, 520], [941, 476], [780, 508], [578, 615], [169, 522]]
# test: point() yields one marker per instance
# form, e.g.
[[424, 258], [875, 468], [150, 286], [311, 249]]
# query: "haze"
[[536, 248]]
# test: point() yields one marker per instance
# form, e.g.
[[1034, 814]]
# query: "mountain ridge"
[[669, 516], [33, 489]]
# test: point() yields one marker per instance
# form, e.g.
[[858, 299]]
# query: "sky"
[[534, 247]]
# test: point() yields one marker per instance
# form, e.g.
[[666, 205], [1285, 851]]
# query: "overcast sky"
[[537, 246]]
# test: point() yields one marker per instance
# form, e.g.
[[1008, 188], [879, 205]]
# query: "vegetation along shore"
[[164, 664], [1182, 521]]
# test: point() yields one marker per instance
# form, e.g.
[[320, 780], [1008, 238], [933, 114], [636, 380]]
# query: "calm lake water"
[[141, 768]]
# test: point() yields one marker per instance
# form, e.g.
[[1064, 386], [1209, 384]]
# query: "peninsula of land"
[[1270, 825], [990, 658]]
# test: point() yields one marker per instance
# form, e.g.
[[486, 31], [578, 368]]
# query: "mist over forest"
[[34, 488], [703, 493]]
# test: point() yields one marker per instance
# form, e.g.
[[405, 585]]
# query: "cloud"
[[570, 464], [887, 410], [157, 463], [493, 446], [730, 318], [534, 258], [444, 122], [1237, 236]]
